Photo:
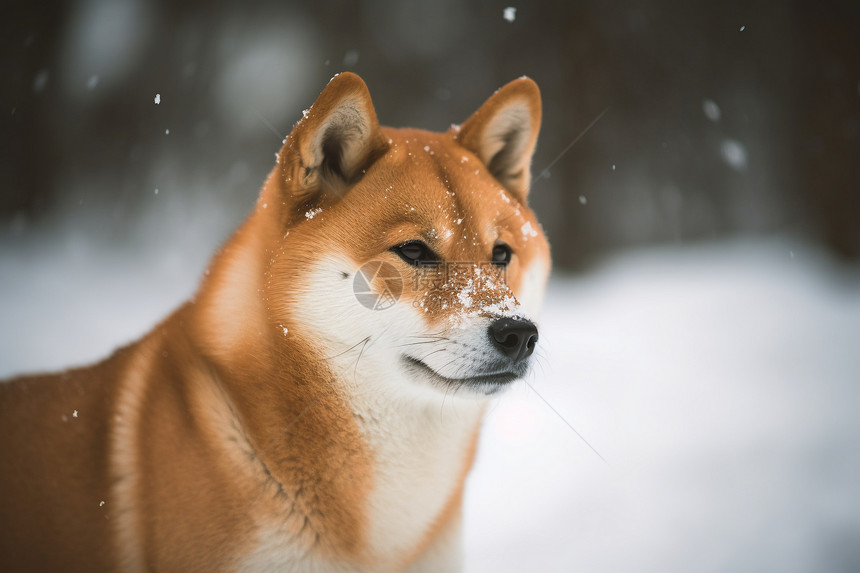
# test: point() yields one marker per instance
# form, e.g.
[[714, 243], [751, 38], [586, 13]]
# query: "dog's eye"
[[416, 253], [501, 254]]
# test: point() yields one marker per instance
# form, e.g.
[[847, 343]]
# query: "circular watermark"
[[387, 275]]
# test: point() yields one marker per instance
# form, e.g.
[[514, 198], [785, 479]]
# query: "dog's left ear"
[[503, 133], [337, 137]]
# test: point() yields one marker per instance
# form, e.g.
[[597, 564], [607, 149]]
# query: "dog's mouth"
[[488, 383]]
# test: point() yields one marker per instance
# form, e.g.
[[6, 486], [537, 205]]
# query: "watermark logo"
[[435, 283], [435, 277], [377, 271]]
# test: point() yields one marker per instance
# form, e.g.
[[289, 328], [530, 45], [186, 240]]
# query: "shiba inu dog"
[[316, 405]]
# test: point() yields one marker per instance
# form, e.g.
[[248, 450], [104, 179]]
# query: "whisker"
[[448, 364], [539, 360], [581, 437], [355, 369], [416, 343], [513, 212], [445, 395], [365, 339], [269, 125], [368, 342], [545, 172], [431, 336], [433, 352]]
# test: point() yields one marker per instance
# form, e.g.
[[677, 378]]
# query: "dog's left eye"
[[416, 253], [501, 254]]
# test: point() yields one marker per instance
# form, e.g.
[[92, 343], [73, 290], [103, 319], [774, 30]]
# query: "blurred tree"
[[29, 36], [827, 117]]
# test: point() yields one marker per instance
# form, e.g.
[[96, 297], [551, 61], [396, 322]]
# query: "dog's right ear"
[[335, 140], [503, 134]]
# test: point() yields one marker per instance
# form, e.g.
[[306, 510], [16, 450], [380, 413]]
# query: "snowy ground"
[[720, 382]]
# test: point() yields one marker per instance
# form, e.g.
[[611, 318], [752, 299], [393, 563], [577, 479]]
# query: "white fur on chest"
[[420, 450], [419, 457], [419, 436]]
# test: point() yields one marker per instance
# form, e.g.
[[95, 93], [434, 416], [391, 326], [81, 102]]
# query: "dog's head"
[[408, 257]]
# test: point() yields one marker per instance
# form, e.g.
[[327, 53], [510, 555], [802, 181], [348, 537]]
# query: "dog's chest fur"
[[419, 462]]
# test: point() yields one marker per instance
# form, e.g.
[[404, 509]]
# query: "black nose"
[[514, 337]]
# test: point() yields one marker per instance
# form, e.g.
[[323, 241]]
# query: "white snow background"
[[721, 382]]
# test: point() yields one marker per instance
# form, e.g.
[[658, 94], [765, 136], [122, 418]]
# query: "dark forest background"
[[724, 118]]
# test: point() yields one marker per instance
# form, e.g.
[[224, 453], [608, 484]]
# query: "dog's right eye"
[[416, 253]]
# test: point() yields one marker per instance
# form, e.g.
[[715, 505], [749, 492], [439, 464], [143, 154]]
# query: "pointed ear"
[[337, 137], [503, 134]]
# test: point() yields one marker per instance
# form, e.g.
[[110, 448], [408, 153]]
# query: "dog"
[[316, 405]]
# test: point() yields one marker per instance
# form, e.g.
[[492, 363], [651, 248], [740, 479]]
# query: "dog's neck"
[[378, 471], [422, 450], [392, 469]]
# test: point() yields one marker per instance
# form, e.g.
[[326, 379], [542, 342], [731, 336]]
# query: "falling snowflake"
[[350, 58], [711, 109], [734, 153]]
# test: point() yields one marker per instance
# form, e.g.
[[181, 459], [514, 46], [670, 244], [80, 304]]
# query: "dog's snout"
[[514, 337]]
